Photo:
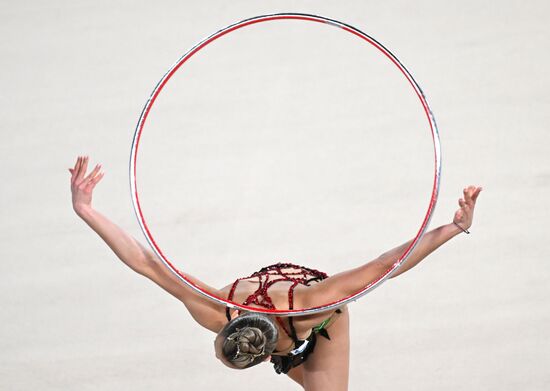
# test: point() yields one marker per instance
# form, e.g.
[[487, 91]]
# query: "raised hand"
[[82, 185], [465, 215]]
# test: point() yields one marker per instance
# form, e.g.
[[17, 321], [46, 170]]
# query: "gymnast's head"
[[247, 340]]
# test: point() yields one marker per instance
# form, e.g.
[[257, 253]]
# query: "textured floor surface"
[[287, 142]]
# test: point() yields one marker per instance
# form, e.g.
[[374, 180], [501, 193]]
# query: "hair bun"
[[249, 339]]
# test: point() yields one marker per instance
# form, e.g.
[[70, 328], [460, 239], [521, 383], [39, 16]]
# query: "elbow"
[[146, 262], [146, 266], [382, 265]]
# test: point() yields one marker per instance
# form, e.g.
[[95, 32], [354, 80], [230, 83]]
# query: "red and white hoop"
[[219, 34]]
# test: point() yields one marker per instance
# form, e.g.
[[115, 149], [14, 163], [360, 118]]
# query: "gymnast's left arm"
[[432, 240], [352, 281]]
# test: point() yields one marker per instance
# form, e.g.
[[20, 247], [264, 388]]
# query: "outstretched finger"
[[83, 169], [76, 163], [85, 165], [78, 168], [75, 170], [94, 181], [476, 193], [468, 195], [93, 173]]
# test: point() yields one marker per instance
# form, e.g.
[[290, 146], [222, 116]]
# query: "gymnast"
[[313, 350]]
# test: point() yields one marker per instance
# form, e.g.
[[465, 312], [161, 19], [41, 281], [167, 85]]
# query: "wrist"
[[82, 210], [460, 228]]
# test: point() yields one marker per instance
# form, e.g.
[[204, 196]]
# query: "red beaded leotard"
[[268, 276], [273, 274]]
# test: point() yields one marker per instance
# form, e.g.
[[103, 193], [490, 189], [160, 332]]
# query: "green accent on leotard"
[[321, 326]]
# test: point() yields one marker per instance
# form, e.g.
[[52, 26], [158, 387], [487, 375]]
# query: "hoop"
[[247, 22]]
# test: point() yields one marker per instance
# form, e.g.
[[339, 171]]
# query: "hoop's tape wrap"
[[227, 30]]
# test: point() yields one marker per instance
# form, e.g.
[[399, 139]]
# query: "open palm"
[[465, 215], [82, 185]]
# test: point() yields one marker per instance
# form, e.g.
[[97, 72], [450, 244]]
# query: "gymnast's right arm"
[[207, 313]]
